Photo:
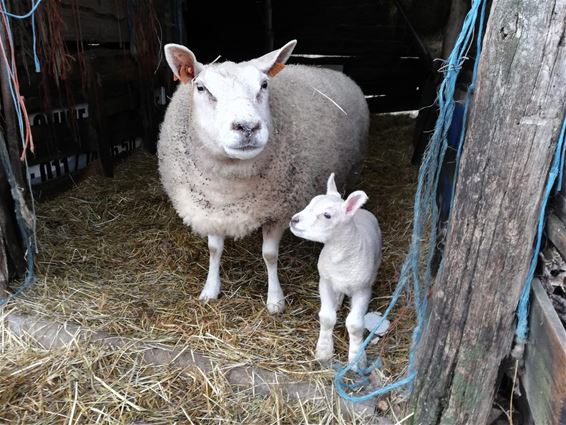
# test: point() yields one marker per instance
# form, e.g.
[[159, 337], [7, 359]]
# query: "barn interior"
[[114, 259]]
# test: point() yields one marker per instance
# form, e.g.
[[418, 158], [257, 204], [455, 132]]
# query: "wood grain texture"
[[514, 123], [545, 361], [101, 21], [556, 232]]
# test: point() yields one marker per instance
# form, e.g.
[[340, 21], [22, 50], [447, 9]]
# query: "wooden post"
[[12, 130], [514, 124], [12, 260]]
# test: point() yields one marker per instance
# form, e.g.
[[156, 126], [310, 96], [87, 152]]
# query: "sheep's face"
[[326, 215], [231, 109], [230, 101]]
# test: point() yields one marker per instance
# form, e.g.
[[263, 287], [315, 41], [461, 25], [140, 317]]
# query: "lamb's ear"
[[182, 62], [273, 62], [331, 186], [354, 202]]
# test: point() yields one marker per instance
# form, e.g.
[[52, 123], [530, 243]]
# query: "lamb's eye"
[[327, 216], [264, 85], [200, 88]]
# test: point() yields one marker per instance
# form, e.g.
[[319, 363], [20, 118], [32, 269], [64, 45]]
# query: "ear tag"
[[275, 69]]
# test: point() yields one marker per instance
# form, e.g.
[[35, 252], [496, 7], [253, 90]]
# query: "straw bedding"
[[114, 257]]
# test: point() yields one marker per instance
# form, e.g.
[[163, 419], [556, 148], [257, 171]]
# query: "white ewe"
[[245, 145], [347, 264]]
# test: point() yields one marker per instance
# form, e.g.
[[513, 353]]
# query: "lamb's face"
[[325, 215], [231, 109], [318, 221]]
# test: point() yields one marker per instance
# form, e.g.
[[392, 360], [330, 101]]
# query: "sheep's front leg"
[[329, 303], [211, 289], [270, 251], [355, 324]]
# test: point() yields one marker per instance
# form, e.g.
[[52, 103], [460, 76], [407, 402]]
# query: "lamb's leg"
[[212, 287], [271, 237], [355, 324], [329, 303]]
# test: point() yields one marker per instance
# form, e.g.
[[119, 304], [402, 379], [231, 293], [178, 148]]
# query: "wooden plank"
[[9, 114], [559, 205], [392, 104], [545, 361], [4, 273], [101, 21], [556, 232], [508, 149]]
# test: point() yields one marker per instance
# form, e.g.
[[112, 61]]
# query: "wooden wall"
[[369, 40]]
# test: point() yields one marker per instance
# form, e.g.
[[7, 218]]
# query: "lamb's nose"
[[295, 220], [246, 127]]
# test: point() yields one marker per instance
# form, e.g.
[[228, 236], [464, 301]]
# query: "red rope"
[[28, 143]]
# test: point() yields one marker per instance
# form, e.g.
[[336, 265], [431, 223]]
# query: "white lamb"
[[347, 264], [245, 145]]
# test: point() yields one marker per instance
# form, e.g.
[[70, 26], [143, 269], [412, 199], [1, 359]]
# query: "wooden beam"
[[556, 232], [514, 122], [12, 131], [4, 273], [545, 361]]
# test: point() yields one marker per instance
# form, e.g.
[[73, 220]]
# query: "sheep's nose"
[[246, 127], [295, 220]]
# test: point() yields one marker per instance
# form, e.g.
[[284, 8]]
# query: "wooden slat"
[[560, 206], [545, 362], [392, 104], [101, 21], [556, 232]]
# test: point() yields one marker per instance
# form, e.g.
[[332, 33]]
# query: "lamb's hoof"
[[276, 303], [208, 294], [324, 352], [361, 365]]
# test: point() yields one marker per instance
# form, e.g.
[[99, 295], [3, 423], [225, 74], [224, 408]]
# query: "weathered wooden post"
[[11, 249], [514, 123]]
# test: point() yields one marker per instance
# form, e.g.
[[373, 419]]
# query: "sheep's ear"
[[182, 62], [354, 202], [273, 62], [331, 186]]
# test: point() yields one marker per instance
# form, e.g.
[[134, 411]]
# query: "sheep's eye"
[[327, 216], [264, 85], [200, 88]]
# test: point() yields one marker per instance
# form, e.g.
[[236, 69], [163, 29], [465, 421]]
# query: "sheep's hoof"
[[208, 294], [278, 307], [276, 303]]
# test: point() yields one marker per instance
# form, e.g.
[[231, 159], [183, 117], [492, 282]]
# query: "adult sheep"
[[246, 145]]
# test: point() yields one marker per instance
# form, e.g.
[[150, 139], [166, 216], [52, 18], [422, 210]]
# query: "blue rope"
[[31, 13], [34, 36], [27, 15], [522, 310], [424, 207], [23, 227]]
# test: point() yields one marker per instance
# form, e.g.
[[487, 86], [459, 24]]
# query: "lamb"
[[245, 145], [348, 262]]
